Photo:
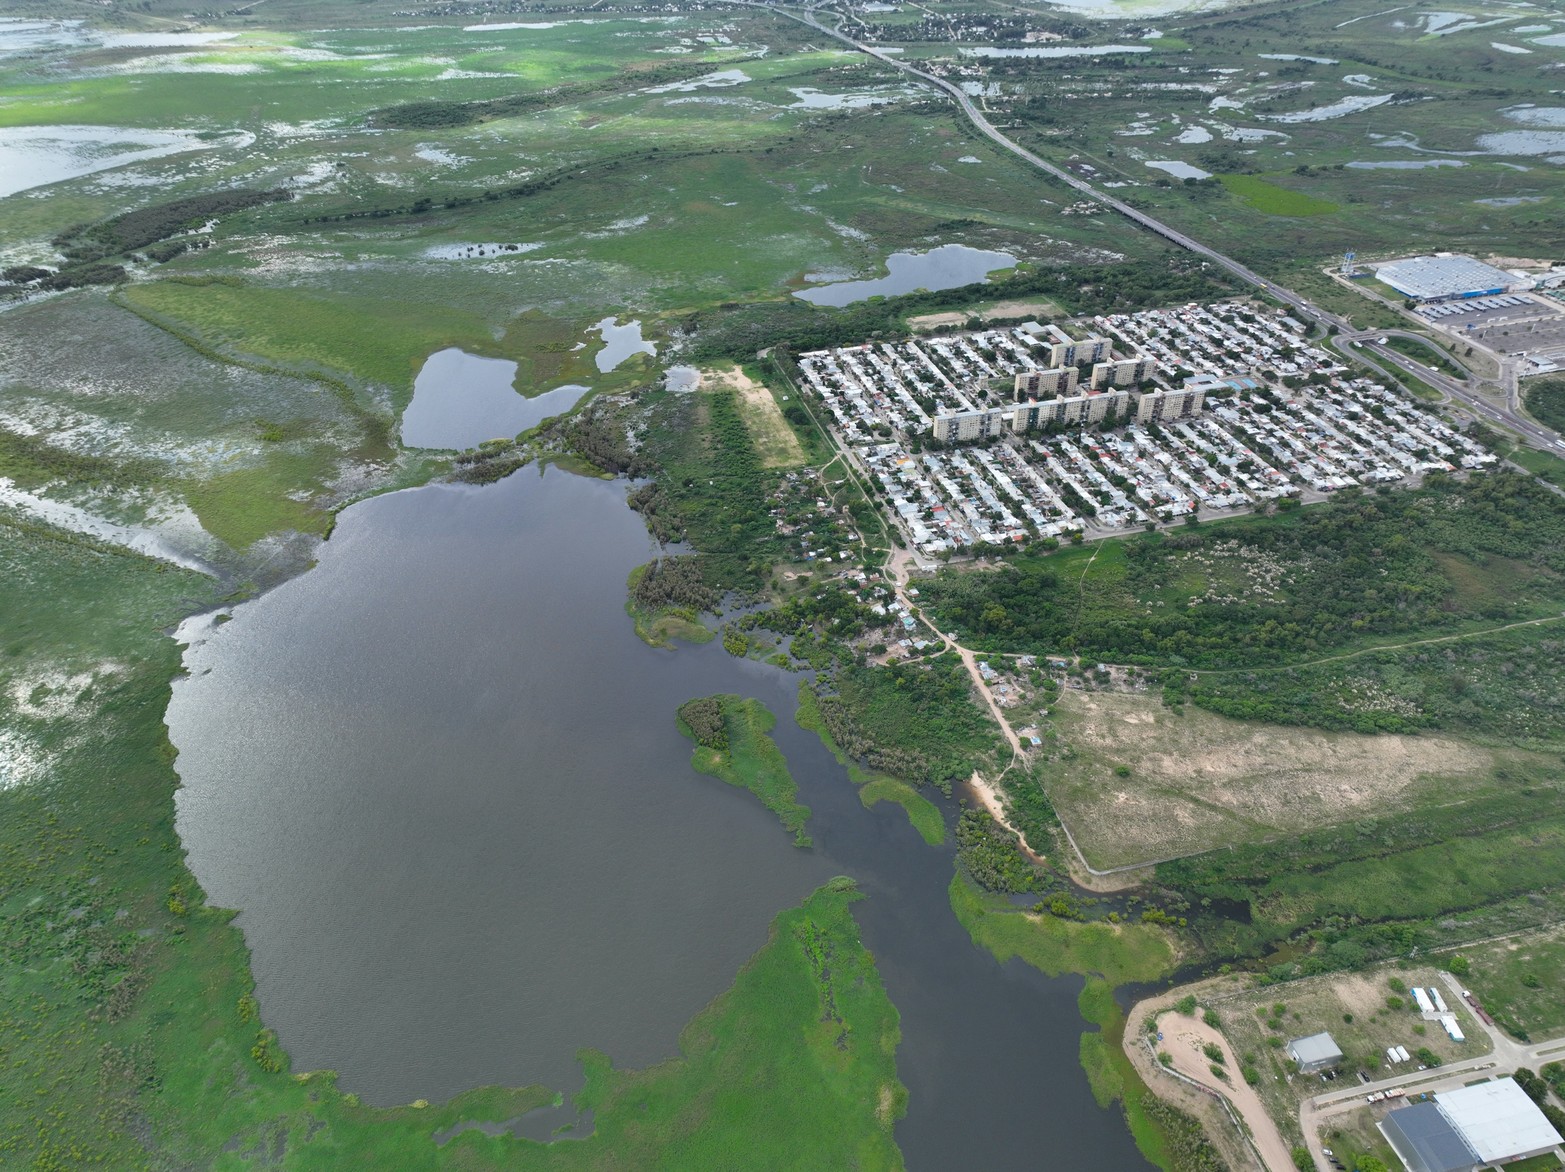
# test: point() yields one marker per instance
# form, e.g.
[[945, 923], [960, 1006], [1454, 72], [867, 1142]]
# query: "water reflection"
[[35, 156], [461, 400], [619, 343], [946, 267]]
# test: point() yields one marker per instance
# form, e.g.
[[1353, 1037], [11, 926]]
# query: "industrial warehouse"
[[1446, 276], [1473, 1127], [1121, 422]]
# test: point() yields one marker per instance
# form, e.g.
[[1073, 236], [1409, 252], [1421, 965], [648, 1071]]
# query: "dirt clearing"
[[774, 440], [1143, 783], [1003, 309]]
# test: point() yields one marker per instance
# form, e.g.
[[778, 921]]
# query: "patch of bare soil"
[[775, 442], [1146, 783]]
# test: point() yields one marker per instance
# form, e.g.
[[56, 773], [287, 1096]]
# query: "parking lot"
[[1515, 323]]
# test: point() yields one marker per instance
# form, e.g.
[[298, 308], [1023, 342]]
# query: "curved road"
[[1476, 403]]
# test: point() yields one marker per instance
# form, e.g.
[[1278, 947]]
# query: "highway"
[[1477, 405]]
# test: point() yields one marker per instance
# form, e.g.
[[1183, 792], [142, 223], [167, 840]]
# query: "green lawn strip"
[[1426, 353], [1272, 200], [925, 816], [732, 744]]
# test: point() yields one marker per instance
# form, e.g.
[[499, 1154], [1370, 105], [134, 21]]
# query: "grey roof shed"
[[1316, 1052], [1426, 1140]]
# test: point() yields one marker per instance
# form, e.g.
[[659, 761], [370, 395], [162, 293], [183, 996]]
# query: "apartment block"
[[970, 425], [1045, 384], [1124, 373], [1166, 406], [1074, 353]]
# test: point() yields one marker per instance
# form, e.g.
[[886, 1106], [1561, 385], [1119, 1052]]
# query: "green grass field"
[[1427, 354], [379, 343], [1518, 980], [1273, 200]]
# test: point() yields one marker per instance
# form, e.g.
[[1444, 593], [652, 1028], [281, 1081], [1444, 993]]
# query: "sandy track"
[[1183, 1039]]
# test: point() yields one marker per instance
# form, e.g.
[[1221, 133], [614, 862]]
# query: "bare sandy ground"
[[1183, 1039], [1146, 783], [774, 440]]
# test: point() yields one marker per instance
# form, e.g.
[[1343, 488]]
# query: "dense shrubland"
[[445, 115], [1362, 566], [913, 721], [126, 233], [1546, 402], [1507, 685]]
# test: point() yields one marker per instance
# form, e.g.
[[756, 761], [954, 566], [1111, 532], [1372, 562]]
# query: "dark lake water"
[[440, 777]]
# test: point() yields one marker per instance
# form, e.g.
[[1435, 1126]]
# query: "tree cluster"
[[707, 722], [677, 582], [132, 230]]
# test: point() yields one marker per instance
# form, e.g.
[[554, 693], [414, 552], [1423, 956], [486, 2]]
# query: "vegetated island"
[[732, 744]]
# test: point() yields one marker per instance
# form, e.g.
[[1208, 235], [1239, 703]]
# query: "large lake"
[[440, 777]]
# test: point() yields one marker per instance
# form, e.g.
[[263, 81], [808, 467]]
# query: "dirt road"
[[1183, 1040]]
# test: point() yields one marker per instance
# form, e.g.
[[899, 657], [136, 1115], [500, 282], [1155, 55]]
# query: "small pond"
[[619, 343], [1404, 164], [1536, 115], [1341, 108], [814, 99], [1054, 51], [1179, 170], [681, 379], [461, 400], [946, 267]]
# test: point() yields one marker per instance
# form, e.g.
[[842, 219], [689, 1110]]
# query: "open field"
[[775, 442], [1272, 200], [1521, 982], [1139, 781], [1366, 1013]]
